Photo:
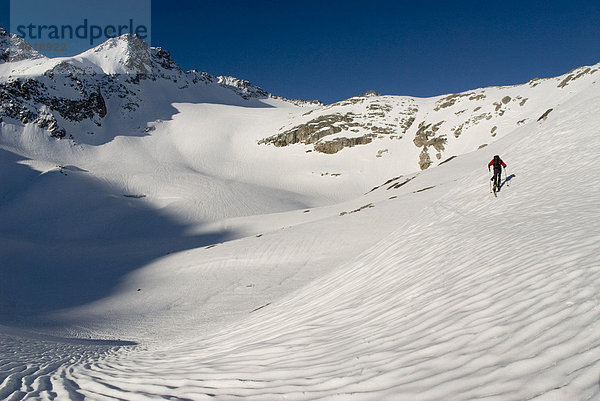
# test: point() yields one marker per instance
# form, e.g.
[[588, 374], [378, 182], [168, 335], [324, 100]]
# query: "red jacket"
[[492, 163]]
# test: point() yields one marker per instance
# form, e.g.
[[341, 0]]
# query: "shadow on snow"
[[67, 239], [152, 101], [510, 177]]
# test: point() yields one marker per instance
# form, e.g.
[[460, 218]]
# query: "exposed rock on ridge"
[[382, 120], [433, 125]]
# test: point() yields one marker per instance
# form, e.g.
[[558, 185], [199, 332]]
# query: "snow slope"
[[471, 298], [252, 271]]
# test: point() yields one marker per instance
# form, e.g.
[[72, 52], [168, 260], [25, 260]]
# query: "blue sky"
[[337, 49]]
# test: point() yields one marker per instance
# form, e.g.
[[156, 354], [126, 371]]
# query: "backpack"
[[497, 161]]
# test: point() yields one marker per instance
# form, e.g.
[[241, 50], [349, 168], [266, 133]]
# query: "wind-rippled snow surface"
[[475, 298], [466, 296], [41, 368]]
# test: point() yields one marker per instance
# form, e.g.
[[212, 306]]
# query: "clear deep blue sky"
[[331, 50]]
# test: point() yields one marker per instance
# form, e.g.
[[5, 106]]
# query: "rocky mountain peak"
[[119, 79], [162, 58], [14, 48], [242, 87], [124, 54], [371, 93]]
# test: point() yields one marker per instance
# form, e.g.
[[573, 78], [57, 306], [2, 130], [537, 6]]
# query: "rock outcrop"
[[332, 130]]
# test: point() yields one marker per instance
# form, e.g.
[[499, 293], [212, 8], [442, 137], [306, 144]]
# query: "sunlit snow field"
[[193, 264]]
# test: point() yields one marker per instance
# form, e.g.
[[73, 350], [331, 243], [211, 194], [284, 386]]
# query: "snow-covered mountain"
[[177, 235], [119, 83], [122, 87]]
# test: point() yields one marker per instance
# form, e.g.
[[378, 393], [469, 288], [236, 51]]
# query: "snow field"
[[263, 273], [474, 298]]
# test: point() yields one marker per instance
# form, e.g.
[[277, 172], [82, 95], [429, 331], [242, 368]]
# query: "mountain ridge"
[[124, 87], [34, 88], [437, 126]]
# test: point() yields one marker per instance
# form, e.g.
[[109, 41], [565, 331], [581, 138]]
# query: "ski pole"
[[506, 177], [490, 179]]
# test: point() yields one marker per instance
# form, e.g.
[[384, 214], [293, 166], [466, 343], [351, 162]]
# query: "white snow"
[[246, 271]]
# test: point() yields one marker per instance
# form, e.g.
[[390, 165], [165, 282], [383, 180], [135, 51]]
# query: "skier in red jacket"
[[498, 164]]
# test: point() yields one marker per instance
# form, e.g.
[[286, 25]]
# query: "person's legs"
[[497, 177]]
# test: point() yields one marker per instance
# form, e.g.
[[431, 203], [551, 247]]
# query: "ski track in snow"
[[475, 298]]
